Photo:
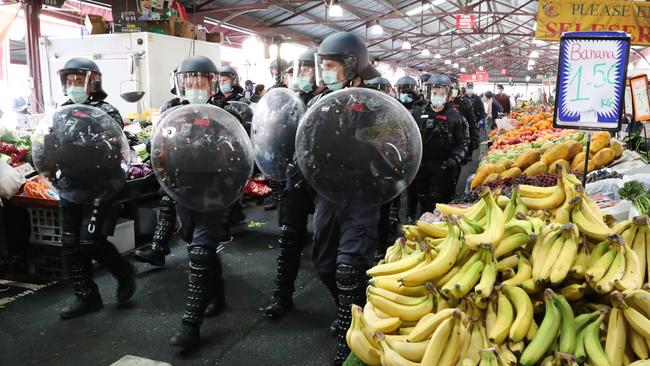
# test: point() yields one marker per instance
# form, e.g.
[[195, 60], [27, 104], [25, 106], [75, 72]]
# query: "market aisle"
[[32, 334]]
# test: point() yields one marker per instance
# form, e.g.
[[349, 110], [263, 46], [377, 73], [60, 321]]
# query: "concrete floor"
[[32, 334]]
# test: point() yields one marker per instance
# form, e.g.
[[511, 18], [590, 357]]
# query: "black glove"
[[449, 164]]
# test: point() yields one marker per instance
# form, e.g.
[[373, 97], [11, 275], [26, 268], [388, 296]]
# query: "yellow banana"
[[554, 200], [639, 247], [516, 347], [468, 280], [394, 285], [638, 321], [594, 350], [498, 332], [511, 243], [367, 351], [530, 286], [505, 356], [453, 348], [399, 266], [637, 343], [524, 309], [524, 273], [541, 249], [542, 270], [444, 279], [614, 273], [494, 226], [616, 337], [384, 325], [425, 327], [560, 268], [397, 298], [449, 210], [529, 191], [438, 342], [579, 266], [404, 331], [488, 277], [404, 312], [629, 233], [490, 315], [475, 344], [390, 357], [640, 300], [633, 277], [599, 269], [573, 292], [437, 230], [507, 262], [532, 331], [449, 286], [588, 224], [412, 351]]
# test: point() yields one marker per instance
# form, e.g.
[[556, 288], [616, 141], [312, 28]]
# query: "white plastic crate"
[[124, 235], [46, 225]]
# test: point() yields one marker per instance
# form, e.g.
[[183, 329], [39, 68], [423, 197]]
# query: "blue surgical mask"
[[225, 88], [305, 84], [470, 91], [77, 94], [454, 93], [405, 98], [437, 101], [331, 80], [196, 96]]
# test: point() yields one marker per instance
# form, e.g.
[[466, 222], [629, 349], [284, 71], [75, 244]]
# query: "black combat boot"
[[154, 253], [87, 297], [351, 283], [287, 272]]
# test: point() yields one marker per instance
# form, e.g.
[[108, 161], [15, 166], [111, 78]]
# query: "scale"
[[134, 92]]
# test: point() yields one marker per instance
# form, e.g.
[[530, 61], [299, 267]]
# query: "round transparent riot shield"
[[273, 131], [243, 110], [201, 156], [82, 152], [358, 146]]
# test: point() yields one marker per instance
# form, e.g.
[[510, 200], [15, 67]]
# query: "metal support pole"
[[584, 174], [32, 15]]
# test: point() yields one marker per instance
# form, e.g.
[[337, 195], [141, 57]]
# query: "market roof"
[[503, 37]]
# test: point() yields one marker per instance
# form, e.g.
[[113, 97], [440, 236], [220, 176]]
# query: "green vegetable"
[[353, 360], [635, 191]]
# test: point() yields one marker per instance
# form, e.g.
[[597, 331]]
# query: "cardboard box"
[[214, 37], [95, 24], [183, 28]]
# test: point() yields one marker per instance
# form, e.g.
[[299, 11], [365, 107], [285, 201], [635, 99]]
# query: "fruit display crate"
[[46, 261]]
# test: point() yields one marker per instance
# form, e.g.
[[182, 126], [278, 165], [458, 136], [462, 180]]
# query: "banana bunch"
[[360, 339], [613, 265], [557, 320], [560, 242], [509, 316], [636, 233], [519, 232], [406, 308], [494, 226], [544, 198], [588, 217], [478, 272]]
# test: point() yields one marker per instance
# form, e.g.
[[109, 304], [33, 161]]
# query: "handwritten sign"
[[628, 100], [591, 79], [639, 86]]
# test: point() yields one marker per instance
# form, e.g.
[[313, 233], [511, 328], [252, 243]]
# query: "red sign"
[[482, 76], [504, 71], [465, 21], [464, 78]]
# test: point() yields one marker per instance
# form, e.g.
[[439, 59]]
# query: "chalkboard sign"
[[639, 86], [592, 71]]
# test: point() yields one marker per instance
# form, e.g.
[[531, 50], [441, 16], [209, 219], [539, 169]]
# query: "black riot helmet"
[[407, 89], [455, 90], [273, 66], [382, 84], [307, 58], [439, 81], [304, 75], [349, 50], [87, 72], [425, 77], [230, 71], [198, 75]]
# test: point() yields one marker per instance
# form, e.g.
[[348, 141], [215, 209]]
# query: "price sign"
[[482, 76], [592, 71], [639, 86], [466, 21], [628, 100]]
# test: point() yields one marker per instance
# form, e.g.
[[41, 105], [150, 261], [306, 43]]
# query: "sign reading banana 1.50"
[[591, 80], [555, 17]]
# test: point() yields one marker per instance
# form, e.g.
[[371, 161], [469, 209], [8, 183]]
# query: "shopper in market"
[[345, 237], [503, 99], [443, 145], [411, 97], [197, 79], [294, 209], [258, 93], [477, 103], [492, 110], [81, 80]]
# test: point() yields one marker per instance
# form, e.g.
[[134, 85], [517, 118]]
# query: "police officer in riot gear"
[[380, 83], [423, 84], [466, 130], [273, 68], [81, 80], [443, 141], [464, 106], [196, 80], [409, 94], [345, 237], [295, 207], [477, 103]]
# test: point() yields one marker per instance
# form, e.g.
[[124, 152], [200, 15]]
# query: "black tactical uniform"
[[443, 148], [477, 104], [294, 208], [345, 237], [81, 245]]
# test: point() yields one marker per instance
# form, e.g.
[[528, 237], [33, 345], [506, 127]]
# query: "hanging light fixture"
[[527, 78], [426, 53], [534, 54], [531, 62], [437, 56], [480, 68], [447, 62], [335, 9], [406, 45], [462, 69], [376, 29], [455, 65]]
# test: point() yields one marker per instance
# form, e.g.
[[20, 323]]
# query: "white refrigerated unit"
[[145, 58]]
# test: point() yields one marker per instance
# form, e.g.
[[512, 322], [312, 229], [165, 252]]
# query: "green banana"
[[545, 336]]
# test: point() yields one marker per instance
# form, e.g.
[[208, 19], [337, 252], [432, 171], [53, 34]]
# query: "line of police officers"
[[346, 239]]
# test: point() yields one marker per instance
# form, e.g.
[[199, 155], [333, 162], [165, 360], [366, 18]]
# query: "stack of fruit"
[[528, 280], [570, 154]]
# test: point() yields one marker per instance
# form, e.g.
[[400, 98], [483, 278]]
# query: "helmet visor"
[[196, 80], [75, 78], [345, 68]]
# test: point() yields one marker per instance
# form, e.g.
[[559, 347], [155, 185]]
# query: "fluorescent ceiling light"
[[462, 69], [535, 26], [437, 56], [534, 54], [538, 41], [426, 53], [460, 50], [376, 30], [438, 2], [447, 62], [335, 9], [406, 45], [447, 31], [531, 62], [418, 10], [455, 65]]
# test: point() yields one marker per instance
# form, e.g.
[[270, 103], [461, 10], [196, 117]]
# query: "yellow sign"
[[555, 17]]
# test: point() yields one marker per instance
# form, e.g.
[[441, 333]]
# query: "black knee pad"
[[350, 278], [70, 242], [291, 237], [201, 257]]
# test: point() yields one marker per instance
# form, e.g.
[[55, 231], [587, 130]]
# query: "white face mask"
[[330, 78], [196, 96], [454, 93], [437, 102]]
